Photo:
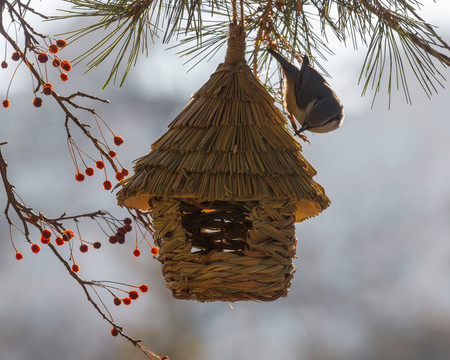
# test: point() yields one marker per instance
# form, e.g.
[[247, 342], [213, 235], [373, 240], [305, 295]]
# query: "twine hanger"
[[236, 37]]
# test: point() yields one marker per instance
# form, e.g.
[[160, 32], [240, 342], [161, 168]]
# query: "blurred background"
[[373, 270]]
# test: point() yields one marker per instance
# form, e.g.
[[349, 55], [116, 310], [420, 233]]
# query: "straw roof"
[[230, 142]]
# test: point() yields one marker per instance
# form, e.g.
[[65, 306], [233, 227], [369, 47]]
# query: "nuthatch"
[[309, 98]]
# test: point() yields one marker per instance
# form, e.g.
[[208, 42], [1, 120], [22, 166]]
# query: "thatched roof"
[[230, 142]]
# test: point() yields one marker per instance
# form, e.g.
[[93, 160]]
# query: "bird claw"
[[304, 138]]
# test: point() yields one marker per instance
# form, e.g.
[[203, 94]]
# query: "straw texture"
[[224, 186], [229, 143], [258, 266]]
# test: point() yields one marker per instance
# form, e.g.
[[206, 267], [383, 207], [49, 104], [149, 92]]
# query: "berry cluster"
[[79, 155], [119, 236], [43, 57]]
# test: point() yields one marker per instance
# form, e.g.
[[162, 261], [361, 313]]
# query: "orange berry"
[[56, 62], [112, 153], [68, 235], [35, 248], [79, 177], [125, 172], [37, 102], [107, 185], [119, 176], [117, 301], [89, 171], [137, 252], [4, 64], [126, 300], [99, 164], [61, 43], [16, 55], [19, 256], [65, 64], [118, 140], [154, 251], [42, 57], [75, 268], [133, 294], [53, 49], [47, 89], [33, 219], [59, 241], [46, 234], [97, 245], [143, 288], [5, 103], [64, 77], [114, 332], [84, 248]]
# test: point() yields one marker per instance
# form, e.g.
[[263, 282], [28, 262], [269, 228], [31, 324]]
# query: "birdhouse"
[[224, 187]]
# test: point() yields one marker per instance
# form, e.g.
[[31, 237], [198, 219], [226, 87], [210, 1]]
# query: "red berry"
[[79, 177], [47, 89], [143, 288], [64, 77], [65, 64], [119, 176], [89, 171], [99, 164], [97, 245], [46, 233], [154, 251], [121, 231], [133, 294], [75, 268], [4, 64], [112, 153], [42, 57], [126, 300], [56, 62], [114, 332], [84, 248], [125, 172], [107, 185], [37, 102], [44, 240], [137, 252], [117, 301], [120, 238], [61, 43], [59, 241], [67, 235], [118, 140], [53, 49], [127, 221], [5, 103], [35, 248], [128, 227], [113, 239], [16, 55], [19, 256]]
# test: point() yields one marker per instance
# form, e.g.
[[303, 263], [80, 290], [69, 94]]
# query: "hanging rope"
[[236, 38]]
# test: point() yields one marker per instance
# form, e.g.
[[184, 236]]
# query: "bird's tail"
[[285, 64]]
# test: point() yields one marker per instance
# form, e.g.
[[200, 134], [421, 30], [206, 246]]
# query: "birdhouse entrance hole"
[[219, 226]]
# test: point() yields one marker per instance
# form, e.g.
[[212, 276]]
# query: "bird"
[[309, 98]]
